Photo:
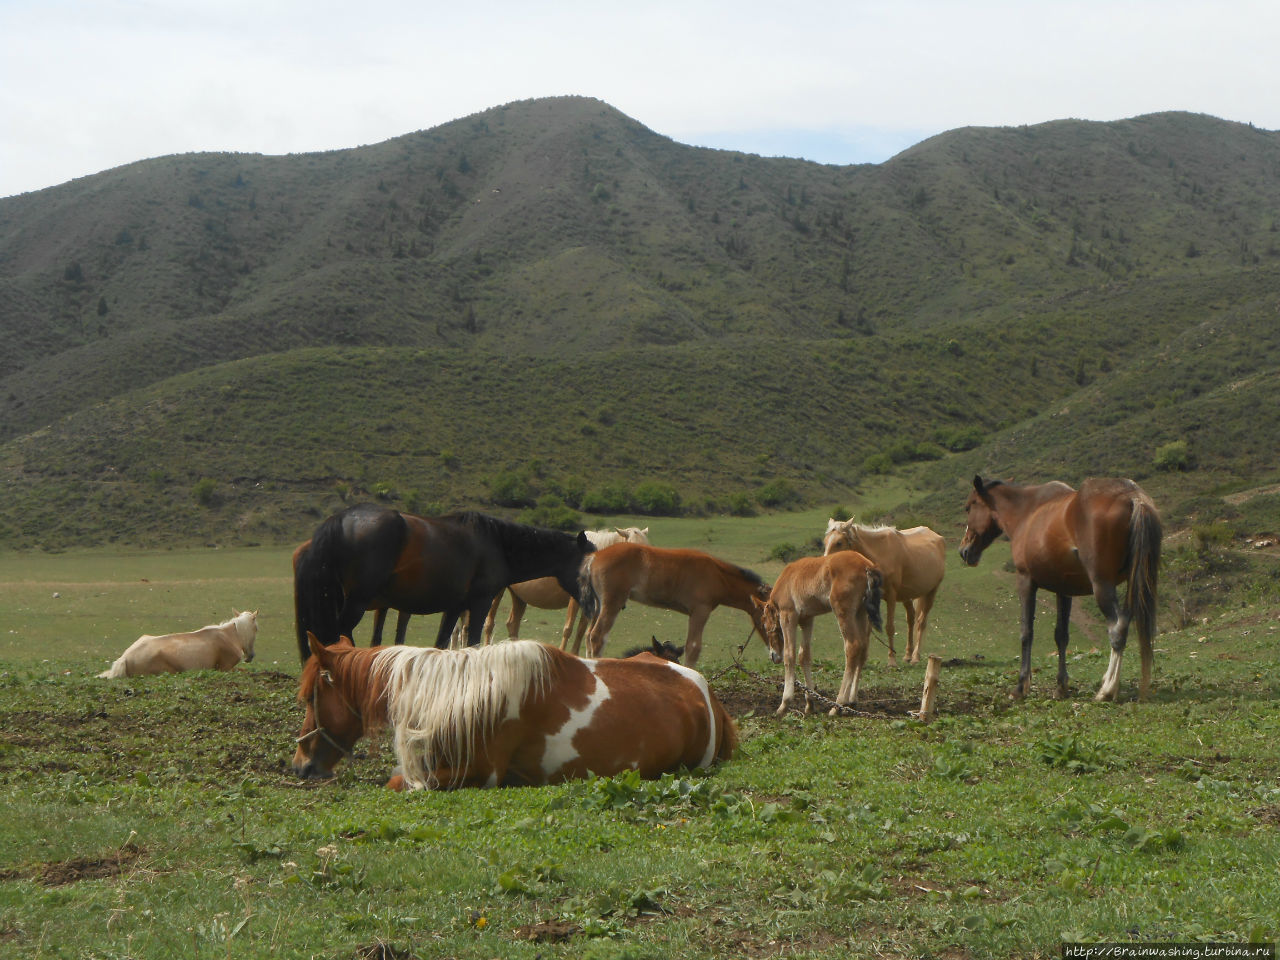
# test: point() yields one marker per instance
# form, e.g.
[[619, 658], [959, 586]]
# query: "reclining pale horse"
[[217, 647]]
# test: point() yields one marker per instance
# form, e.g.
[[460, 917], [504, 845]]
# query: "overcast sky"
[[86, 85]]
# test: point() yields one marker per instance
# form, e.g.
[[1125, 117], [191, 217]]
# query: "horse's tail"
[[116, 670], [588, 599], [317, 587], [874, 594], [1145, 536]]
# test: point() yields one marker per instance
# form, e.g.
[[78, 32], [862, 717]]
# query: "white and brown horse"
[[506, 715], [913, 562], [686, 581], [844, 583], [218, 647]]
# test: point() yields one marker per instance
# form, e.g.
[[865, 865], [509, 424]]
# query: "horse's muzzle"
[[309, 771], [775, 656], [971, 554]]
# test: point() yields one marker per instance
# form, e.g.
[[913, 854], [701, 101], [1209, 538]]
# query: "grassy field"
[[155, 817]]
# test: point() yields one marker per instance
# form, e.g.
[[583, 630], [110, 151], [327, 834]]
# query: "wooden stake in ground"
[[927, 704]]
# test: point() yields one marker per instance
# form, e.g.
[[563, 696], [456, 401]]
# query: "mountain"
[[548, 298]]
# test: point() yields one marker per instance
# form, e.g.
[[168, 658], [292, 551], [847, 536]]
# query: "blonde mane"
[[440, 701]]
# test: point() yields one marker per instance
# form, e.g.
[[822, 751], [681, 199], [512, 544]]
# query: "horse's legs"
[[1118, 633], [693, 641], [349, 616], [1027, 595], [923, 606], [913, 653], [491, 617], [1060, 635], [806, 660], [610, 607], [518, 607], [787, 620], [569, 617], [855, 629], [890, 605], [448, 620], [379, 618], [476, 615]]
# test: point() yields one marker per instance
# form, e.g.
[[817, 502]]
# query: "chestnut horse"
[[686, 581], [216, 647], [371, 557], [844, 583], [505, 715], [913, 562], [1073, 544]]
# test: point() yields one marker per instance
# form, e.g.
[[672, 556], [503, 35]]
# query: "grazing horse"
[[913, 563], [1074, 543], [217, 647], [545, 593], [505, 715], [686, 581], [844, 583], [371, 557]]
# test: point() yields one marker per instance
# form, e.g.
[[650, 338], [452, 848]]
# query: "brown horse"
[[845, 583], [369, 557], [913, 562], [505, 715], [686, 581], [1073, 544]]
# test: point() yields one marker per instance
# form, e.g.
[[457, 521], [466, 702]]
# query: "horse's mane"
[[354, 680], [511, 534], [440, 702]]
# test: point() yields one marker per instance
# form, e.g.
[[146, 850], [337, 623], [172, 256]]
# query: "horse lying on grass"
[[510, 714], [218, 647], [844, 583]]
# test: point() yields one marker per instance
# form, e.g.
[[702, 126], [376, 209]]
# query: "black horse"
[[371, 557]]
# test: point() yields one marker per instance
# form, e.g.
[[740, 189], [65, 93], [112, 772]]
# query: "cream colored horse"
[[546, 594], [846, 584], [913, 562], [217, 647]]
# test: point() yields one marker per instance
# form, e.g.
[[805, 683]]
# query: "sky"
[[86, 85]]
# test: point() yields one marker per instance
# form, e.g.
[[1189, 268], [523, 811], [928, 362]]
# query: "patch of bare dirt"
[[62, 872], [1270, 814], [383, 951], [548, 931]]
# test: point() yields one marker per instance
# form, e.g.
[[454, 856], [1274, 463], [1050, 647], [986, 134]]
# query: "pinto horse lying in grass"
[[217, 647], [1073, 544], [844, 583], [510, 714]]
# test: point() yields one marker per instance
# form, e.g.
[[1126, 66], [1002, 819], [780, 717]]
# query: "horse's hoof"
[[833, 712], [396, 783], [781, 711]]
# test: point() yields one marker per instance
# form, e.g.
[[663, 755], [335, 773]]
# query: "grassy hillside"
[[548, 299]]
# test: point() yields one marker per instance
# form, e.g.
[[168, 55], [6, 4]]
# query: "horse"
[[510, 714], [547, 594], [844, 583], [686, 581], [1074, 543], [216, 647], [913, 562], [371, 557], [659, 648]]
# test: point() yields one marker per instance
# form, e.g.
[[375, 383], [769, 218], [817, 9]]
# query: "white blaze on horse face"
[[713, 736], [559, 748]]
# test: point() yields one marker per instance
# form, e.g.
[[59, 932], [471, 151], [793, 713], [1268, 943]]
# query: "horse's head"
[[840, 535], [982, 524], [246, 631], [666, 650], [769, 623], [633, 534], [331, 725]]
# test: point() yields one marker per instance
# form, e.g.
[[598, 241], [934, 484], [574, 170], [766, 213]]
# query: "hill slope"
[[552, 291]]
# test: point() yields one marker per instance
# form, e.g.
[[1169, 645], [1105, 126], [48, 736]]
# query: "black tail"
[[317, 588], [871, 600], [1145, 535]]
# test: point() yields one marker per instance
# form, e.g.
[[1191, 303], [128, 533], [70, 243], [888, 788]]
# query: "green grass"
[[155, 816]]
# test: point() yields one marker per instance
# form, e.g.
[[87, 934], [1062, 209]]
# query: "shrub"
[[552, 512], [778, 493], [203, 491], [659, 499], [511, 489], [1173, 456], [741, 505], [612, 498]]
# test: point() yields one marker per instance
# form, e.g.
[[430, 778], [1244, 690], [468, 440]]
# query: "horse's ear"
[[317, 648], [977, 483], [585, 545]]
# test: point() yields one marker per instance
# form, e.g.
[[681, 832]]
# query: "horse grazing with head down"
[[844, 583], [686, 581], [370, 557], [216, 647], [913, 562], [1074, 543], [510, 714]]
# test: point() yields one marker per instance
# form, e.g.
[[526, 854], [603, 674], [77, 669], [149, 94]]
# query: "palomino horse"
[[844, 583], [1075, 543], [371, 557], [913, 563], [216, 647], [508, 714], [547, 594], [686, 581]]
